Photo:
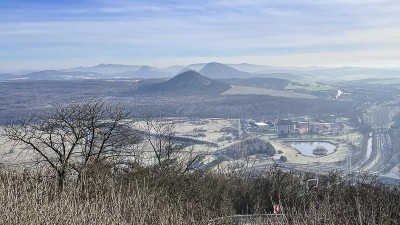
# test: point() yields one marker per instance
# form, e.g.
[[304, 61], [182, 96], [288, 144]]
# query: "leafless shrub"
[[141, 196], [73, 137], [169, 151]]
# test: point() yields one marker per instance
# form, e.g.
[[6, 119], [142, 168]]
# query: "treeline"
[[249, 147]]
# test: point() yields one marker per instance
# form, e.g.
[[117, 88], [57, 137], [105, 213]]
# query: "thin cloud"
[[148, 31]]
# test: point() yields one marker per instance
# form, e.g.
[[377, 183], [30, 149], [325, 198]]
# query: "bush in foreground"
[[143, 197]]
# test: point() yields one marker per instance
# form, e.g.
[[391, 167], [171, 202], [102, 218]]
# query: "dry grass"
[[27, 199], [147, 198]]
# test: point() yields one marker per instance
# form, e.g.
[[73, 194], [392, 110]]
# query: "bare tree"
[[71, 137], [169, 151], [160, 135]]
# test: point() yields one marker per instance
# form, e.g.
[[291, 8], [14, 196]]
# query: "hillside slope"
[[218, 70], [186, 83]]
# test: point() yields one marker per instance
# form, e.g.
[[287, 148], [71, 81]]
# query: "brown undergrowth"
[[142, 196]]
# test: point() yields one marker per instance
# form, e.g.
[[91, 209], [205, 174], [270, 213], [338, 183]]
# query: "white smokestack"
[[339, 93]]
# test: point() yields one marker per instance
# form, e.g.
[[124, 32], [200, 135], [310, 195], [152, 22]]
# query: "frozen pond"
[[306, 147]]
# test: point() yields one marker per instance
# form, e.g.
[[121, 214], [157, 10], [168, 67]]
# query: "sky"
[[44, 34]]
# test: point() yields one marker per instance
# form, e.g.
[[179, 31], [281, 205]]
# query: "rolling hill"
[[144, 72], [104, 69], [218, 70], [186, 83]]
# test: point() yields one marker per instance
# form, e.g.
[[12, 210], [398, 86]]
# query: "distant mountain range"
[[104, 69], [212, 70], [218, 70], [59, 75], [244, 67], [186, 83], [144, 72]]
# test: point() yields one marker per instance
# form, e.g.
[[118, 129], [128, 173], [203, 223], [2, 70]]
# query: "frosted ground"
[[212, 131]]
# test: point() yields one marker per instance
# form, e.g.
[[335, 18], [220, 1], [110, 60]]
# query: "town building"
[[285, 125]]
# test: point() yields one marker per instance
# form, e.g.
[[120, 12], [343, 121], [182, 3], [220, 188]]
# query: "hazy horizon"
[[44, 34], [294, 68]]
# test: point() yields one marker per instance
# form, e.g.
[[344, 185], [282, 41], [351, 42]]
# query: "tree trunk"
[[61, 180]]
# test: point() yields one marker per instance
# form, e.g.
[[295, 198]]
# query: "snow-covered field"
[[213, 131]]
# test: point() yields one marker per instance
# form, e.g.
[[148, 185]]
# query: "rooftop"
[[285, 122]]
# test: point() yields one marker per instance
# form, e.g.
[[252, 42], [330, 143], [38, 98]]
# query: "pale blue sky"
[[42, 34]]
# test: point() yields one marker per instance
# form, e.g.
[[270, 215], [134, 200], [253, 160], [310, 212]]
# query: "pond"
[[306, 147]]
